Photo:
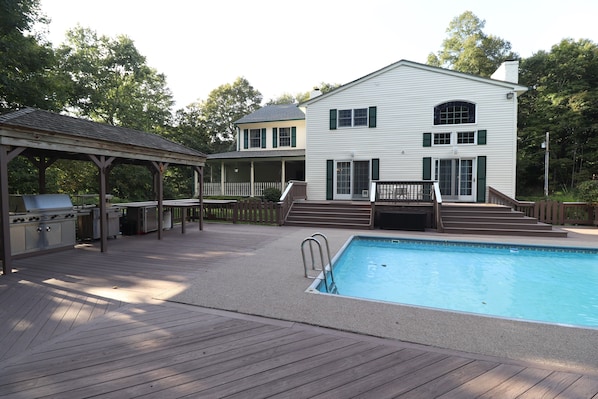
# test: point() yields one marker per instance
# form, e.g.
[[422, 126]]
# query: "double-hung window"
[[442, 138], [352, 117], [284, 137], [255, 138], [466, 137]]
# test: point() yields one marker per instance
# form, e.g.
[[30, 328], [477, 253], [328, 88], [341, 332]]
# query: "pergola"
[[44, 137]]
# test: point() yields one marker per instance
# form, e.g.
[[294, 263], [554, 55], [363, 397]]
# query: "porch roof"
[[258, 154]]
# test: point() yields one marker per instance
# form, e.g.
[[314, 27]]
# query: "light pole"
[[546, 158]]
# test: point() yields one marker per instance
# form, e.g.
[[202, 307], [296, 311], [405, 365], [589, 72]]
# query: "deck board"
[[82, 323]]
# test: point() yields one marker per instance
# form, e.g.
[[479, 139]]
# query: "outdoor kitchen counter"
[[184, 204]]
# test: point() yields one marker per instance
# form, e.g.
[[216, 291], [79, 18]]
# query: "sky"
[[283, 46]]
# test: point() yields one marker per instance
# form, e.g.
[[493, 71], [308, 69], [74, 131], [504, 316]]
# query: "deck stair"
[[337, 214], [490, 219]]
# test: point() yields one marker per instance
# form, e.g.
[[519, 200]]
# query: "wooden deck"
[[81, 323]]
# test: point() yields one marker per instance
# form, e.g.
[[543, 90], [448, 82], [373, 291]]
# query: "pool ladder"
[[330, 286]]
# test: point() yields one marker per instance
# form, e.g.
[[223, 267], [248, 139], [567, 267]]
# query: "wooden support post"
[[6, 155], [103, 165], [160, 169]]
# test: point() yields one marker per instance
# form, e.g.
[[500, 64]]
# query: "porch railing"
[[548, 211], [404, 191], [242, 189]]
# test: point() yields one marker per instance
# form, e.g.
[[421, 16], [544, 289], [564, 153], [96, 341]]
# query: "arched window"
[[454, 113]]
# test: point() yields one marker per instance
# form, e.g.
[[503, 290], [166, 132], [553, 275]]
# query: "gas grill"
[[41, 222]]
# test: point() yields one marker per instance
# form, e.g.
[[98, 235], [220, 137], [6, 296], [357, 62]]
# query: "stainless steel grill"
[[41, 222]]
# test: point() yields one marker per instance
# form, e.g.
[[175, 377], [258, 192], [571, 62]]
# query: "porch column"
[[222, 177], [283, 175], [252, 181]]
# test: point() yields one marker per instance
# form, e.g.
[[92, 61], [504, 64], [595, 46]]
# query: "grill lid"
[[39, 202]]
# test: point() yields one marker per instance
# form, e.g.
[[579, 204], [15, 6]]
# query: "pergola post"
[[6, 155], [103, 165], [160, 168], [42, 164]]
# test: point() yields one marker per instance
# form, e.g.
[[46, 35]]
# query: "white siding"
[[405, 98], [299, 124]]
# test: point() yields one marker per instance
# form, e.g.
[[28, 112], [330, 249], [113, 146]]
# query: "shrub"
[[271, 194], [588, 190]]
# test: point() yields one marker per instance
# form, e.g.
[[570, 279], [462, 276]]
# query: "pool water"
[[546, 284]]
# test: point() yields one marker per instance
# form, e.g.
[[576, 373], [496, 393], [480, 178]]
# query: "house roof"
[[274, 113], [258, 154], [519, 89], [41, 130]]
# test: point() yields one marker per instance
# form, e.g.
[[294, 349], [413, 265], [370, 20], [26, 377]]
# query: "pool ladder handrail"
[[312, 239]]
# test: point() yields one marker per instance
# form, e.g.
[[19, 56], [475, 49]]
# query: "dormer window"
[[454, 113]]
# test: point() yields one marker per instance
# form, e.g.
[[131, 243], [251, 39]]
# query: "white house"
[[414, 122], [270, 152]]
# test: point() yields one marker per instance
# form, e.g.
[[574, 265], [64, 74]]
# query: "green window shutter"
[[375, 169], [264, 137], [427, 171], [481, 137], [329, 179], [274, 137], [427, 139], [246, 138], [332, 119], [481, 184], [372, 115], [293, 136]]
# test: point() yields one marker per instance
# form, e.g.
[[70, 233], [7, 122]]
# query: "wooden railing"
[[246, 211], [295, 190], [438, 208], [548, 211], [257, 212], [498, 198], [404, 191]]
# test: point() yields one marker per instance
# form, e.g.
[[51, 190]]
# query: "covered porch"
[[249, 173]]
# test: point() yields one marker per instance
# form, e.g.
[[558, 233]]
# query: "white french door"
[[456, 178], [351, 180]]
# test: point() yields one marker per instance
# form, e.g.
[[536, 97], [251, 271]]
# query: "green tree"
[[112, 83], [468, 49], [564, 102], [190, 129], [225, 105], [27, 65]]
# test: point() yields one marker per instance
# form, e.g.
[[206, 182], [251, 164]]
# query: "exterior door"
[[351, 180], [456, 178]]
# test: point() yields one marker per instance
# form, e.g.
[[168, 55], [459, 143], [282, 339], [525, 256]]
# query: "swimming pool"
[[535, 283]]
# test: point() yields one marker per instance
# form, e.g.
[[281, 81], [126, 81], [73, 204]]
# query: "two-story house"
[[414, 122], [270, 152]]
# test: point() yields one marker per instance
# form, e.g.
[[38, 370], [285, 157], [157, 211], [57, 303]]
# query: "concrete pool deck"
[[269, 282]]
